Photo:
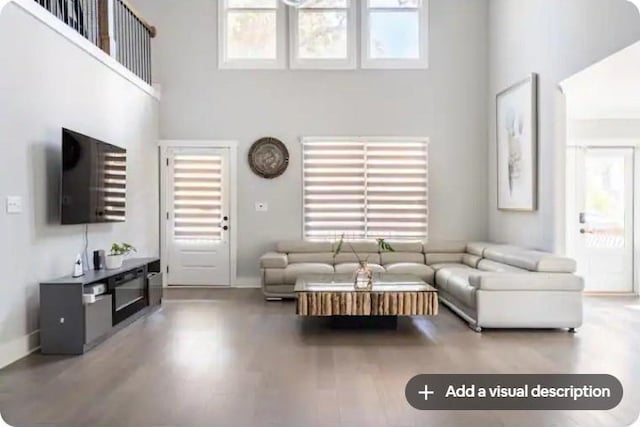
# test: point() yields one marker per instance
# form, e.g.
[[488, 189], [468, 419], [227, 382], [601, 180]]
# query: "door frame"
[[570, 207], [232, 146]]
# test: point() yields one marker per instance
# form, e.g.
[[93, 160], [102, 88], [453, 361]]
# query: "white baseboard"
[[18, 348], [247, 282]]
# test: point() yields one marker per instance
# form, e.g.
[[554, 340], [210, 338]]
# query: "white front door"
[[603, 227], [197, 232]]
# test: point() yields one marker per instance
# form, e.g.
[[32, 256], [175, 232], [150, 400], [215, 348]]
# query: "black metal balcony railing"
[[112, 25]]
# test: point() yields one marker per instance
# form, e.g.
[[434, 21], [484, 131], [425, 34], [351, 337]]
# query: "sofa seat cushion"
[[442, 265], [351, 267], [459, 288], [293, 271], [444, 273], [421, 271]]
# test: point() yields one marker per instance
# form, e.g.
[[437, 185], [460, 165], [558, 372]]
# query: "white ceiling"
[[609, 89]]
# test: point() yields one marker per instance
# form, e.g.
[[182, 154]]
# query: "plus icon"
[[426, 392]]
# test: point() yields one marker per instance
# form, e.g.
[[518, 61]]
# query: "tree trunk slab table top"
[[334, 295]]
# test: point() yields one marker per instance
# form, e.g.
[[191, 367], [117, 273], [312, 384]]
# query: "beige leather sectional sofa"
[[489, 285]]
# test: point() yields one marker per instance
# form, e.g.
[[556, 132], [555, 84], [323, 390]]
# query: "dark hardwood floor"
[[228, 358]]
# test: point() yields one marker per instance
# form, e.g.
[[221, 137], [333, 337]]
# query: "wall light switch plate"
[[14, 205], [262, 207]]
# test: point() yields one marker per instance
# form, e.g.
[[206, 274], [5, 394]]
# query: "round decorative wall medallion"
[[268, 158]]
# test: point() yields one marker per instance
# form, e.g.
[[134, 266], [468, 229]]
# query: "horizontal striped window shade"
[[365, 188], [197, 197], [114, 185]]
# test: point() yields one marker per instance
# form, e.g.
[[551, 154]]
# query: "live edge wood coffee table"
[[392, 295]]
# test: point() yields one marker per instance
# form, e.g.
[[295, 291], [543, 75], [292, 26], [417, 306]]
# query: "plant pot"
[[113, 262]]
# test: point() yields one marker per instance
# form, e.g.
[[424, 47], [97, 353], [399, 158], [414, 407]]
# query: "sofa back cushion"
[[396, 257], [478, 248], [455, 258], [471, 260], [302, 246], [311, 257], [359, 246], [497, 267], [406, 246], [445, 247], [347, 256], [530, 260]]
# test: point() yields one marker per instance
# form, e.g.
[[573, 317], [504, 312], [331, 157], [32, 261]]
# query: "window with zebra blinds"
[[365, 188]]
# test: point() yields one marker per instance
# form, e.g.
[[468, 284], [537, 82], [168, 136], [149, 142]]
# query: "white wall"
[[47, 82], [604, 131], [446, 103], [555, 39]]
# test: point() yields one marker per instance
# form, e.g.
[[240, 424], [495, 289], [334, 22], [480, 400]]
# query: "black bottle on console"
[[97, 260]]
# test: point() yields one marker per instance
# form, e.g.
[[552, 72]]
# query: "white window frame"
[[395, 63], [364, 139], [281, 41], [348, 63]]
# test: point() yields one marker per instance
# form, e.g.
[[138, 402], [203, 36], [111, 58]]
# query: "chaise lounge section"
[[487, 284]]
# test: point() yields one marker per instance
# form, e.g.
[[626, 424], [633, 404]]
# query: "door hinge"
[[167, 269], [167, 161], [167, 215]]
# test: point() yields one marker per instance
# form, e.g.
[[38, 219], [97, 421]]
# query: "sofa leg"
[[475, 328], [572, 330], [270, 299]]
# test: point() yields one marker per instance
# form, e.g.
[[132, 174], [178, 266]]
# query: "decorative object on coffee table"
[[390, 295], [268, 158], [116, 256], [363, 277]]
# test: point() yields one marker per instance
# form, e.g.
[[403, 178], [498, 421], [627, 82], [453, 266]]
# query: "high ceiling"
[[609, 89]]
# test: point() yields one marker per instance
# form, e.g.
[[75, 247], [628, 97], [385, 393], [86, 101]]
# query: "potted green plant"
[[117, 254], [363, 276]]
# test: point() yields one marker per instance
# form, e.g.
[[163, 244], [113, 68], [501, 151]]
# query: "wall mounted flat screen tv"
[[94, 180]]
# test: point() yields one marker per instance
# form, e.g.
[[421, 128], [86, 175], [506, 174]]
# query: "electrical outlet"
[[14, 205], [262, 207]]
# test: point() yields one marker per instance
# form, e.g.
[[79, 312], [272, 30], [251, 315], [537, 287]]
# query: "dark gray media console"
[[68, 325]]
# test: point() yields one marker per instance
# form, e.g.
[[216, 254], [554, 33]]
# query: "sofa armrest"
[[527, 282], [274, 260]]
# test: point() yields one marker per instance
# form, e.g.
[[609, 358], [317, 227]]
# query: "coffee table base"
[[367, 304], [364, 322]]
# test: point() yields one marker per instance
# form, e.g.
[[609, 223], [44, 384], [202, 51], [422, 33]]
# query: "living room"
[[272, 147]]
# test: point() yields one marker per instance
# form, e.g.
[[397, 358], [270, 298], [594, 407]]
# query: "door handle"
[[585, 231], [225, 228], [226, 218]]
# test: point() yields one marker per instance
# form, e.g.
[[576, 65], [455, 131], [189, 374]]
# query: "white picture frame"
[[517, 146]]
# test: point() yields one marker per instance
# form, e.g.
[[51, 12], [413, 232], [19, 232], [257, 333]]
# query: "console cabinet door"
[[98, 318], [155, 288]]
